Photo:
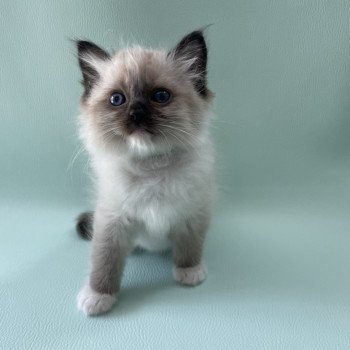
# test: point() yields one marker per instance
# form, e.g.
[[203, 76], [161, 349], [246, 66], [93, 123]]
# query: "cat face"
[[145, 101]]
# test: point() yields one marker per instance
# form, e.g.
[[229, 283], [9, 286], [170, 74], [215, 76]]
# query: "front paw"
[[94, 303], [190, 276]]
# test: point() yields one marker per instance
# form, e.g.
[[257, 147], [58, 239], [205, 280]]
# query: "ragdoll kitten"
[[144, 121]]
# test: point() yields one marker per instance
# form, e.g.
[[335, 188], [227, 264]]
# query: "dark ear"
[[88, 54], [192, 48]]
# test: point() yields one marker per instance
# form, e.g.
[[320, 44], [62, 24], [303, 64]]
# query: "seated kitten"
[[144, 121]]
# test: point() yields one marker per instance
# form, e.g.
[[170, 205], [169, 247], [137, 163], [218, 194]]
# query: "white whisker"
[[74, 157]]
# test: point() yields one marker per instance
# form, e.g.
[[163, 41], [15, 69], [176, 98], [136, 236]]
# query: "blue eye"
[[117, 99], [161, 96]]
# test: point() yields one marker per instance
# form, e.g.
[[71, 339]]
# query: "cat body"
[[158, 192], [144, 121]]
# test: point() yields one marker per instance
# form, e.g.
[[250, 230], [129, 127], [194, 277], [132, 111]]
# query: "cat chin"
[[141, 144]]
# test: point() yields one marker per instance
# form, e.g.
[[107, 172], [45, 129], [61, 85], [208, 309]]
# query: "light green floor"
[[278, 279]]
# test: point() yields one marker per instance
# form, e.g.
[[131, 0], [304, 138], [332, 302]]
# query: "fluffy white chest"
[[156, 203], [160, 198], [159, 203]]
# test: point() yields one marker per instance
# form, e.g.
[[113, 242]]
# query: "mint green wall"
[[278, 247], [280, 71]]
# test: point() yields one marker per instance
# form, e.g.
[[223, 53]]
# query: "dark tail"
[[84, 224]]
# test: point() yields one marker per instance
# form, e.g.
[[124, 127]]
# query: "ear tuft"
[[193, 50], [89, 55]]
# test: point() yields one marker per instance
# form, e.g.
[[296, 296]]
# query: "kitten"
[[144, 121]]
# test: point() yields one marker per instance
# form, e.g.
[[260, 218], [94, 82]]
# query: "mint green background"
[[278, 249]]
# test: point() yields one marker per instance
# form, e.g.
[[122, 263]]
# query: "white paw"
[[190, 276], [94, 303]]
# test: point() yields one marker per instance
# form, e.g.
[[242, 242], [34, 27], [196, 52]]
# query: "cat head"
[[145, 101]]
